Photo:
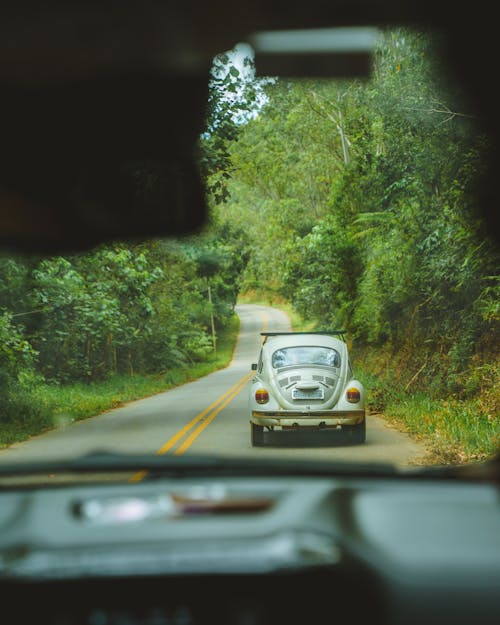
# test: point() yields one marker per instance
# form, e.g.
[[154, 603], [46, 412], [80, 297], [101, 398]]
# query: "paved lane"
[[210, 416], [230, 432], [155, 423]]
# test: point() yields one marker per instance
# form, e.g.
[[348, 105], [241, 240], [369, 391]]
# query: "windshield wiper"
[[104, 462], [487, 471], [157, 465]]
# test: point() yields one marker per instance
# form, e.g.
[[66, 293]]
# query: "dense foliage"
[[355, 201], [124, 308], [118, 309], [360, 200]]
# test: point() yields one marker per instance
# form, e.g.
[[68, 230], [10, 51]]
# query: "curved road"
[[210, 416]]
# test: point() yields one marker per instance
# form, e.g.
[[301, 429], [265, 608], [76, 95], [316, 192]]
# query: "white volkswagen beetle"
[[305, 380]]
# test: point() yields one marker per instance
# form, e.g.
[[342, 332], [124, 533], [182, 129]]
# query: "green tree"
[[360, 203]]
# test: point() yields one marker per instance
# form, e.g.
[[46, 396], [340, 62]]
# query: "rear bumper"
[[310, 419]]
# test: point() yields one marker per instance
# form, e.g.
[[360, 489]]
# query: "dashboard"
[[251, 551]]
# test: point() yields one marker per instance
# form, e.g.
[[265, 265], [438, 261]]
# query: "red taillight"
[[353, 395], [261, 396]]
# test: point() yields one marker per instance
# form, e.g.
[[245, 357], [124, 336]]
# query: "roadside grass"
[[52, 405], [459, 430], [24, 413], [455, 431]]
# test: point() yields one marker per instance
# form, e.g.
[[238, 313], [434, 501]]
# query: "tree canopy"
[[360, 200], [356, 201]]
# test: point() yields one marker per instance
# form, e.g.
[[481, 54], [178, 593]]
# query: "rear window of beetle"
[[304, 355]]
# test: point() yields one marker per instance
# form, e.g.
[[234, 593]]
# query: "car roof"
[[273, 343]]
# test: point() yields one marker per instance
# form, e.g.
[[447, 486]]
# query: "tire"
[[358, 433], [256, 435]]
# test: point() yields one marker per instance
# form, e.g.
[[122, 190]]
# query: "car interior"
[[92, 92]]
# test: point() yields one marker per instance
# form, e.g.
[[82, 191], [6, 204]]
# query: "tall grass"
[[22, 414], [459, 429], [455, 430]]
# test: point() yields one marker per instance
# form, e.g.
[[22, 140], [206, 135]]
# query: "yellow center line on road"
[[176, 438], [206, 422], [204, 418], [222, 401]]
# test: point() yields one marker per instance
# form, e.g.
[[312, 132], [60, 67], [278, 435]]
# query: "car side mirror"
[[254, 366]]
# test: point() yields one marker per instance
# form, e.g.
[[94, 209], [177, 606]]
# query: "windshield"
[[346, 204], [305, 356]]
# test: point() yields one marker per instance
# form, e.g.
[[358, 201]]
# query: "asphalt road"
[[210, 416]]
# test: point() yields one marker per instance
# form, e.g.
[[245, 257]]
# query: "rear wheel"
[[358, 432], [256, 435]]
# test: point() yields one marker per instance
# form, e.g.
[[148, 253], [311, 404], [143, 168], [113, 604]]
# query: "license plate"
[[316, 393]]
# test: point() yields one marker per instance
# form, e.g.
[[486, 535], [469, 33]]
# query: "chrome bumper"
[[310, 419]]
